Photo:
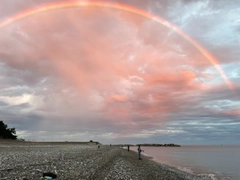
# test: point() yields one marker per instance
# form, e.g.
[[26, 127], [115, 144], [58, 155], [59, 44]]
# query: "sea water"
[[215, 162]]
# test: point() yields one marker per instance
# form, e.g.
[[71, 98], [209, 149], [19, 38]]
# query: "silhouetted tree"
[[7, 133]]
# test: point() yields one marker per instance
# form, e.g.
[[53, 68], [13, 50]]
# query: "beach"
[[78, 161]]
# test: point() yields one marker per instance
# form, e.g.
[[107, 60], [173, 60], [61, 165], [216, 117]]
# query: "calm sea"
[[215, 162]]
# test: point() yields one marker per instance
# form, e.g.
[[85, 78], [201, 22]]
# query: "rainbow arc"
[[123, 7]]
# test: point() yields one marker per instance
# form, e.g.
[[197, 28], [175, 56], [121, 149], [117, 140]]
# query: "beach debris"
[[10, 169], [49, 175]]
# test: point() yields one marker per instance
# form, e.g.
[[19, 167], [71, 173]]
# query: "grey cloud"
[[214, 24], [2, 104], [174, 99], [207, 131]]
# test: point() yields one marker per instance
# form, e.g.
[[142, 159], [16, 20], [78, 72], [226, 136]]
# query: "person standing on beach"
[[128, 147], [139, 152]]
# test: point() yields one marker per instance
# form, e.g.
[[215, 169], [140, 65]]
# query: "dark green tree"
[[7, 133]]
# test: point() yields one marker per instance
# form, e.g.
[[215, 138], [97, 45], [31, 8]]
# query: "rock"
[[81, 162]]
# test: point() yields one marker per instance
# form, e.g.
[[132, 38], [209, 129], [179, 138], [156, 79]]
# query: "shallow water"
[[215, 162]]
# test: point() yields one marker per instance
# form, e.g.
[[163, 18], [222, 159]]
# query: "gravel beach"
[[75, 162]]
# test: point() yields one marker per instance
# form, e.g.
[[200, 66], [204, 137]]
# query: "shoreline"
[[173, 168], [82, 162], [194, 169]]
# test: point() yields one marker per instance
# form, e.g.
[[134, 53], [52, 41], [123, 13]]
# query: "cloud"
[[80, 73]]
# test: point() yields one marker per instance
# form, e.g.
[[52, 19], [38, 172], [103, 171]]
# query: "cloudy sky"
[[125, 71]]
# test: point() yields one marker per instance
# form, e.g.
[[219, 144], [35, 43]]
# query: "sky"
[[125, 71]]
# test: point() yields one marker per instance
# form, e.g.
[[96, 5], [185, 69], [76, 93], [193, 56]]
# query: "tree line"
[[7, 133], [164, 145]]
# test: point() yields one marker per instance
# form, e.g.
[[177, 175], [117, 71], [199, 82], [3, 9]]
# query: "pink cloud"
[[104, 66]]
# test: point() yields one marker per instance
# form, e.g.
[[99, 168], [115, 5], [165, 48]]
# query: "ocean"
[[215, 162]]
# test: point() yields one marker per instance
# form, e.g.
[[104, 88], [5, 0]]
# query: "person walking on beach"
[[139, 152], [128, 147]]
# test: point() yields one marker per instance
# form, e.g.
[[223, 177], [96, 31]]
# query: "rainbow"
[[61, 5]]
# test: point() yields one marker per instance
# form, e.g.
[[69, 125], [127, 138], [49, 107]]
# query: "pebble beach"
[[81, 162]]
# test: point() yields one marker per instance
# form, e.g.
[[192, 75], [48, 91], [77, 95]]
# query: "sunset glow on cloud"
[[121, 71]]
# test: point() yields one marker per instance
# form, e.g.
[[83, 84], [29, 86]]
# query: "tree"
[[7, 133]]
